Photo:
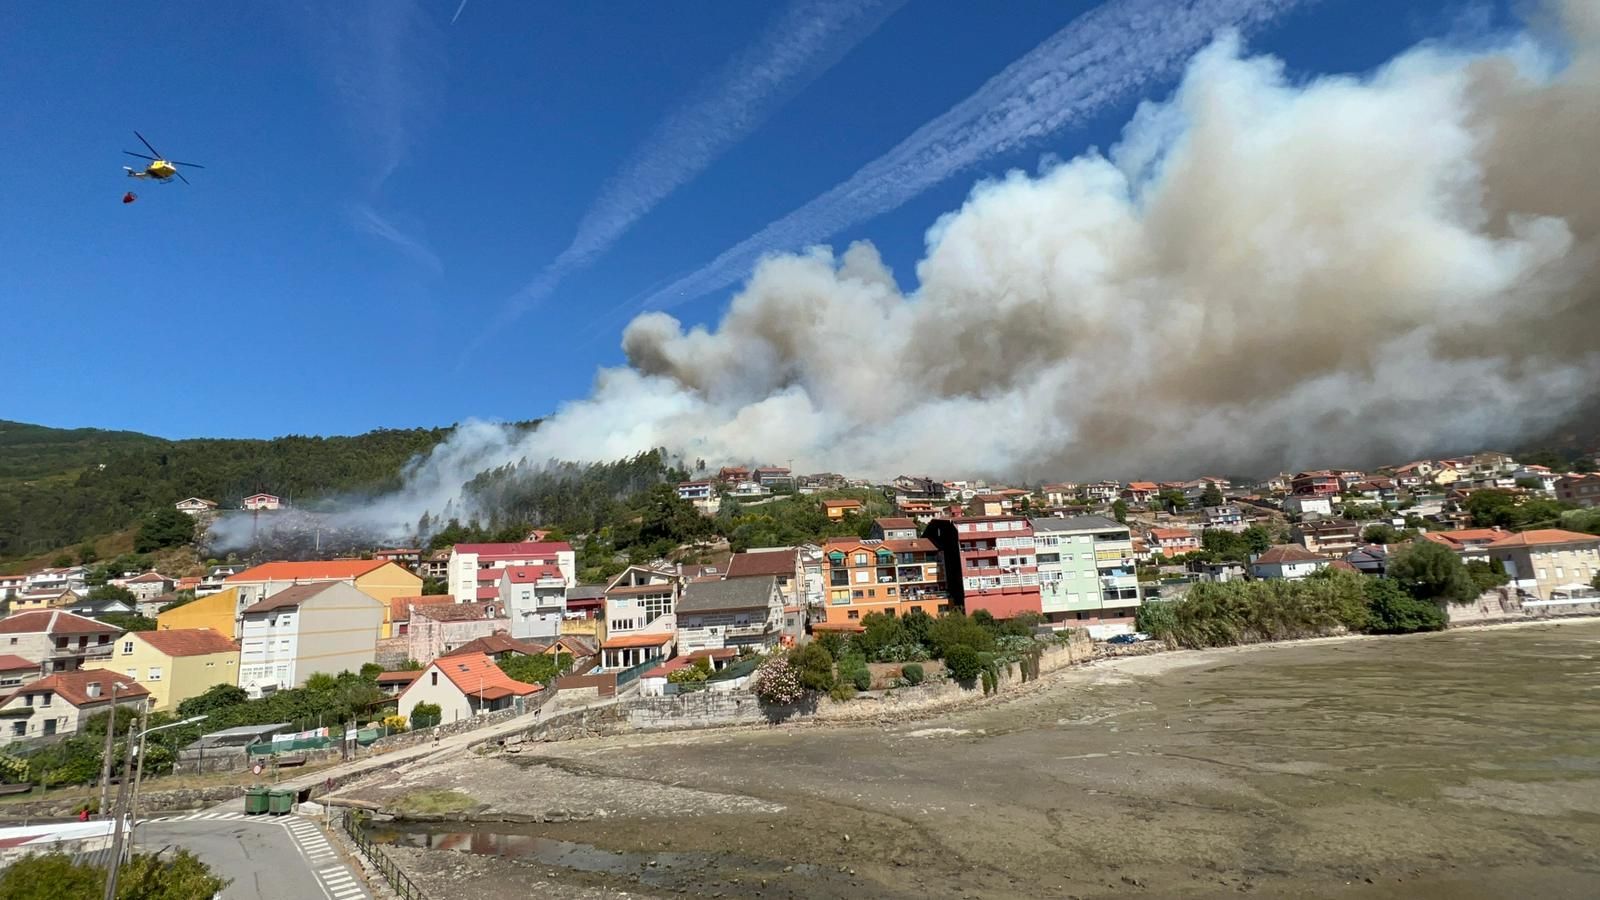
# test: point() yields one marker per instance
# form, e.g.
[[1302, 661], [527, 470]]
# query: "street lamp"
[[133, 800]]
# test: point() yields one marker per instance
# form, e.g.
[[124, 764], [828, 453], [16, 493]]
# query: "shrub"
[[962, 661], [911, 673], [861, 678], [777, 681], [814, 665], [50, 876], [394, 723], [955, 630], [426, 715], [1156, 618], [1430, 571], [842, 692], [1393, 611]]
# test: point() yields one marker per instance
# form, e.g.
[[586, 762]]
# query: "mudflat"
[[1456, 765]]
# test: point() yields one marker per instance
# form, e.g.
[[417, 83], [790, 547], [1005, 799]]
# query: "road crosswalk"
[[337, 879]]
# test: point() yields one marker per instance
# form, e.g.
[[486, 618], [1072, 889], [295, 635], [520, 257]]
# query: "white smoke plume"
[[1261, 274]]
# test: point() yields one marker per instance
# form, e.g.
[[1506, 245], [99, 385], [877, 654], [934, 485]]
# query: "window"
[[872, 593], [853, 614], [856, 594], [131, 673], [211, 665], [1541, 573], [127, 646], [839, 577], [860, 559], [45, 699], [863, 577], [433, 679], [49, 726], [155, 673], [19, 728]]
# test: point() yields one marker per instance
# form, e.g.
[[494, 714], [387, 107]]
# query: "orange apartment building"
[[868, 576]]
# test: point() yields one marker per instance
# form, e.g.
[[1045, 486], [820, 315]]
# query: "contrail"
[[458, 12], [1098, 59], [808, 39]]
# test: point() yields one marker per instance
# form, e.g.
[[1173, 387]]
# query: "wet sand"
[[1456, 765]]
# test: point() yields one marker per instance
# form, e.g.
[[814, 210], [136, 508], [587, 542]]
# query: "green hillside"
[[61, 486]]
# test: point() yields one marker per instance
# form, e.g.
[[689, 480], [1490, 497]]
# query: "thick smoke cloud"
[[1260, 274]]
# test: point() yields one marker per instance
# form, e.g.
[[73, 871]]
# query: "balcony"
[[745, 631]]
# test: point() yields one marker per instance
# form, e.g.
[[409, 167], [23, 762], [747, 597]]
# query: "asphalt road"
[[267, 858]]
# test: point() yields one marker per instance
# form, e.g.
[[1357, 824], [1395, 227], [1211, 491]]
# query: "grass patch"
[[433, 802]]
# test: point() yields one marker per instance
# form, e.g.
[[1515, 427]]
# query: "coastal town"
[[442, 634]]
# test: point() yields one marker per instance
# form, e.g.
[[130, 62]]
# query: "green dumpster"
[[280, 801], [255, 801]]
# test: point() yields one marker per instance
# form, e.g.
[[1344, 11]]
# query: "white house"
[[194, 506], [462, 687], [148, 586], [12, 585], [474, 569], [1289, 561], [58, 703], [261, 501], [327, 626], [535, 598], [1304, 505], [736, 613]]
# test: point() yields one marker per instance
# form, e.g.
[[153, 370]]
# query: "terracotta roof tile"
[[289, 597], [500, 643], [1288, 553], [314, 570], [459, 612], [765, 562], [477, 675], [1542, 537], [400, 607], [53, 621], [73, 687], [10, 662], [652, 639], [188, 641]]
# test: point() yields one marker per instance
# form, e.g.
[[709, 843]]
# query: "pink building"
[[989, 563]]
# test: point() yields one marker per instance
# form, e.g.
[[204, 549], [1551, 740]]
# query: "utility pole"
[[105, 756], [138, 775], [116, 823]]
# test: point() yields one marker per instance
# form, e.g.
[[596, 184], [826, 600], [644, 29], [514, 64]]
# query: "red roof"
[[403, 677], [73, 687], [488, 593], [477, 675], [842, 504], [523, 550], [767, 562], [148, 578], [53, 621], [400, 607], [1543, 536], [500, 643], [1171, 534], [896, 523], [290, 597], [312, 570], [188, 641], [10, 662], [1458, 539], [1141, 485], [531, 574]]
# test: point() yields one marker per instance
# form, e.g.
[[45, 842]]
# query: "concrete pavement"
[[268, 858]]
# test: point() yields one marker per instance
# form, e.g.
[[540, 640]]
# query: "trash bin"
[[280, 801], [255, 801]]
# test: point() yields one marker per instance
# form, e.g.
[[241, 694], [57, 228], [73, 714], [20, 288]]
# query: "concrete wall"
[[1501, 605], [338, 631], [434, 687]]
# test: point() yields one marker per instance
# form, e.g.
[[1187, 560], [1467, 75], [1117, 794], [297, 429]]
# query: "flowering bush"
[[777, 681]]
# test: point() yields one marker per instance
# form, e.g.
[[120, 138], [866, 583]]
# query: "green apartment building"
[[1086, 570]]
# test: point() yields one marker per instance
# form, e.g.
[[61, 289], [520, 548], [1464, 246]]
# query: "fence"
[[354, 823]]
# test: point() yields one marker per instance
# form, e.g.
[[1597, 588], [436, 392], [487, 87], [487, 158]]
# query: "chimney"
[[94, 689]]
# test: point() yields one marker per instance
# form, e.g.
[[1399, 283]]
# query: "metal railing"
[[354, 824]]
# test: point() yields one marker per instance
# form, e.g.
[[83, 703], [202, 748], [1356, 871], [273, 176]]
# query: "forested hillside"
[[58, 487]]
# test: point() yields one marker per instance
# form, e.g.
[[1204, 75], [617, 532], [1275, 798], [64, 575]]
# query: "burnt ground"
[[1457, 765]]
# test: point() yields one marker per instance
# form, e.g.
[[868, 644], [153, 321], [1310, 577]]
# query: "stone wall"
[[67, 804], [1502, 605], [715, 709]]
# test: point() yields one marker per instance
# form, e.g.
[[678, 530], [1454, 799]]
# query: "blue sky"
[[383, 186]]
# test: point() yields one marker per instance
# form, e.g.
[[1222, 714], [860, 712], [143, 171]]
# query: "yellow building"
[[379, 579], [217, 612], [174, 665], [43, 600]]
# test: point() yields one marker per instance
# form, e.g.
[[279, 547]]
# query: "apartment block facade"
[[868, 576], [1086, 570], [989, 563]]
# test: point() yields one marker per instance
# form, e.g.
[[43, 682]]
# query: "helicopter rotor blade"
[[140, 155], [147, 144], [190, 165], [181, 178]]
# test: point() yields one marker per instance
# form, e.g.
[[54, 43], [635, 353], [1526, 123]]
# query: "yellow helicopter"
[[160, 168]]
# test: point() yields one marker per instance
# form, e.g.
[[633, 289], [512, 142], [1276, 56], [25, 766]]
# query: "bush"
[[814, 666], [956, 630], [778, 681], [911, 673], [694, 673], [147, 876], [1430, 571], [1393, 611], [426, 715], [861, 678], [394, 723], [1156, 618], [842, 692], [962, 661]]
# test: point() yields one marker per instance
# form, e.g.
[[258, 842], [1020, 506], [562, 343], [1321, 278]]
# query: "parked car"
[[1122, 639]]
